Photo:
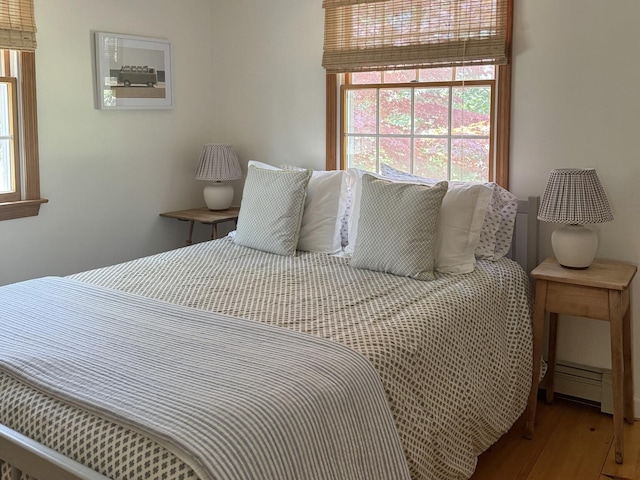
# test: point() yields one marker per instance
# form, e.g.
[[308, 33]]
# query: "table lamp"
[[574, 196], [218, 164]]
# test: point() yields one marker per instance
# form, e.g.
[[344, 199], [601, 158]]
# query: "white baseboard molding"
[[590, 384]]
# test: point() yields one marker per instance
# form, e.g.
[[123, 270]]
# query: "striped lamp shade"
[[218, 163], [574, 196]]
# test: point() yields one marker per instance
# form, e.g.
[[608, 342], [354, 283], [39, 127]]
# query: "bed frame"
[[43, 463], [524, 243]]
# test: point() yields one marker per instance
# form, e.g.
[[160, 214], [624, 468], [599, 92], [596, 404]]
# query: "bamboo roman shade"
[[362, 35], [17, 25]]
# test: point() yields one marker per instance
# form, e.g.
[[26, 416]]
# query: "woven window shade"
[[363, 35], [17, 25]]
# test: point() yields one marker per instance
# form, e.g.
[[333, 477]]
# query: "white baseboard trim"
[[591, 384]]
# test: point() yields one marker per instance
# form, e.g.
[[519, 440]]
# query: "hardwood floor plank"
[[571, 442], [578, 448], [630, 469], [513, 456]]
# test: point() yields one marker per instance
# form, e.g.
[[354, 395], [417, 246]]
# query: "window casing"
[[19, 169], [20, 182]]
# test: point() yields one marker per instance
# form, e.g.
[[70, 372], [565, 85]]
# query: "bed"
[[433, 373]]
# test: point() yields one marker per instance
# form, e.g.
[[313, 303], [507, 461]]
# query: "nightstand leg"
[[628, 368], [617, 371], [538, 331], [551, 364], [189, 238]]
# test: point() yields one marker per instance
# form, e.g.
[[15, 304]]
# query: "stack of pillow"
[[395, 222], [289, 209]]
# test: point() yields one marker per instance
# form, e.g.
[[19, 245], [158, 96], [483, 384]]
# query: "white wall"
[[107, 174], [573, 106], [577, 104], [270, 101]]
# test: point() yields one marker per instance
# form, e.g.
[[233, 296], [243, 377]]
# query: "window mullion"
[[450, 138], [378, 130], [413, 128]]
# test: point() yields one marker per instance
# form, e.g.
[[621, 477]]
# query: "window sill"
[[20, 209]]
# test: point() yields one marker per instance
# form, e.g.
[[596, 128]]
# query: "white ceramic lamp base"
[[574, 246], [218, 196]]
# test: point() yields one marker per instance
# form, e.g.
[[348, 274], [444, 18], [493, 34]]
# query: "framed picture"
[[132, 72]]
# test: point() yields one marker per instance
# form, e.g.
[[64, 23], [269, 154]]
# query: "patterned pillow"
[[397, 227], [497, 230], [271, 210], [344, 228]]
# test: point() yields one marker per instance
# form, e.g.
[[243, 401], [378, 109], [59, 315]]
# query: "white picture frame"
[[132, 72]]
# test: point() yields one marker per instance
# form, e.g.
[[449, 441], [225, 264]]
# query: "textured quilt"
[[233, 398], [453, 355]]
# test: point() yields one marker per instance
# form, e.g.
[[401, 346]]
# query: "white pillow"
[[323, 212], [266, 166], [324, 209], [463, 211], [354, 182]]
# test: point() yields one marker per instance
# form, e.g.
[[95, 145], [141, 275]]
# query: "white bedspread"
[[454, 355], [233, 398]]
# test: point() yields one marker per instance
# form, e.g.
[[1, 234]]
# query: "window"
[[19, 172], [436, 123], [425, 85], [9, 165]]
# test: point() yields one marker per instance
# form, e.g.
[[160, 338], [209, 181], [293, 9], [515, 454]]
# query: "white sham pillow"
[[354, 185], [463, 211], [266, 166], [323, 212]]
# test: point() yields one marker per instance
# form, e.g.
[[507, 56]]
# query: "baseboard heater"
[[591, 385]]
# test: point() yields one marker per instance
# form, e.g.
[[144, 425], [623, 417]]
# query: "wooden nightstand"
[[206, 216], [600, 292]]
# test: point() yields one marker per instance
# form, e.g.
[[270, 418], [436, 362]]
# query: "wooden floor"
[[570, 442]]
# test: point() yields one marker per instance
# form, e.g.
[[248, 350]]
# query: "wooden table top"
[[204, 215], [609, 274]]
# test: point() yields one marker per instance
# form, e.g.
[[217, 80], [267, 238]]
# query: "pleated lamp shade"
[[574, 196], [218, 163]]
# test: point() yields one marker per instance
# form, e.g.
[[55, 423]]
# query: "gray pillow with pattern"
[[271, 210], [397, 227]]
